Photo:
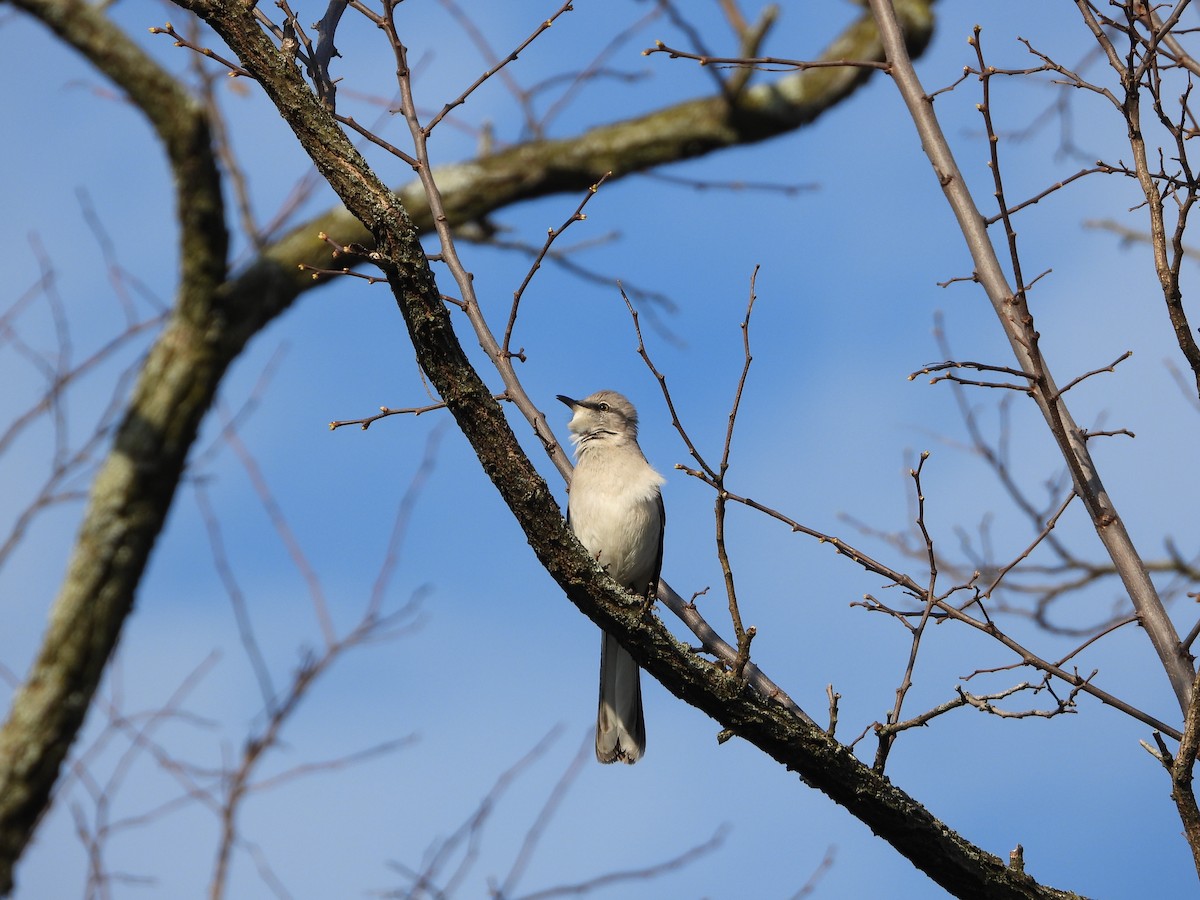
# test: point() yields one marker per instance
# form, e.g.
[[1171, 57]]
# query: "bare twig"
[[1042, 195], [887, 737], [686, 858], [814, 880], [462, 98], [464, 842], [709, 474], [765, 63], [1021, 557], [557, 794], [743, 635], [180, 41], [552, 235], [284, 530], [737, 185], [1111, 367]]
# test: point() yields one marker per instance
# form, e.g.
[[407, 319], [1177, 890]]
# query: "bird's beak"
[[567, 400]]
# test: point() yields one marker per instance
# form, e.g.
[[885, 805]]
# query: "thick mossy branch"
[[474, 189], [134, 488]]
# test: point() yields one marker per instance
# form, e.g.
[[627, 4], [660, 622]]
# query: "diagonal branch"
[[1018, 323]]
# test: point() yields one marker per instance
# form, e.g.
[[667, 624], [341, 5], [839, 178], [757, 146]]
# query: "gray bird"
[[616, 511]]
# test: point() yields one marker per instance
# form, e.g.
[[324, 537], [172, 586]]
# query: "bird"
[[615, 509]]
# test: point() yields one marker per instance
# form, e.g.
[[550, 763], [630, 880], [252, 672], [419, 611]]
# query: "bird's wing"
[[662, 527]]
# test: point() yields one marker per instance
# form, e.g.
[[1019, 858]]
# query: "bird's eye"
[[603, 407]]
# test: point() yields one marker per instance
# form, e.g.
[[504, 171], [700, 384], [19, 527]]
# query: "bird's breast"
[[617, 520]]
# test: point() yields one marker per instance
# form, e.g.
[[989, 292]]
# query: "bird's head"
[[605, 415]]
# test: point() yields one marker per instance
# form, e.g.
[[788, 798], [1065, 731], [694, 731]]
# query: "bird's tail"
[[620, 726]]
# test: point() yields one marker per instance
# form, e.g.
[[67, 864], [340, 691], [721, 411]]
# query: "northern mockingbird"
[[616, 511]]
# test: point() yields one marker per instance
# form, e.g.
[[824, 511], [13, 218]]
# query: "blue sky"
[[847, 298]]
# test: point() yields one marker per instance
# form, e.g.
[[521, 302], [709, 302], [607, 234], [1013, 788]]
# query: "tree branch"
[[1018, 323], [134, 488]]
